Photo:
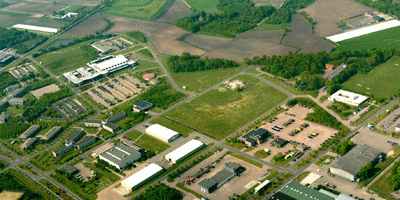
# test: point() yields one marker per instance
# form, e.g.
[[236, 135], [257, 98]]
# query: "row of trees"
[[386, 6], [394, 178], [284, 13], [237, 16], [13, 38], [343, 147], [10, 183], [160, 192], [190, 63]]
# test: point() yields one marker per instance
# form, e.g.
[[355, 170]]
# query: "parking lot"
[[112, 44], [85, 174], [313, 135], [390, 122], [376, 140], [237, 185], [117, 90]]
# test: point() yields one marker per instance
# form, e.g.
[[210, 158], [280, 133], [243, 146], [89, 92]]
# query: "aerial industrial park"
[[200, 99]]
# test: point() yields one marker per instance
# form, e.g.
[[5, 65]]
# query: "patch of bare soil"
[[87, 27], [176, 9]]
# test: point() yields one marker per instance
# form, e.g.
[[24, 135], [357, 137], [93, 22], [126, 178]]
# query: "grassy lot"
[[383, 184], [60, 61], [385, 39], [14, 110], [271, 175], [282, 84], [342, 109], [209, 6], [73, 8], [301, 176], [141, 9], [145, 53], [183, 130], [261, 154], [265, 26], [55, 189], [257, 164], [379, 83], [200, 80], [91, 130], [322, 159], [144, 64], [222, 111], [282, 162], [133, 135], [152, 144], [106, 134]]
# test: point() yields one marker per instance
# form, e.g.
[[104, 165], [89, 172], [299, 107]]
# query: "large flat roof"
[[185, 149], [162, 131], [356, 158], [142, 175], [36, 28], [348, 97], [120, 154], [301, 192], [117, 60]]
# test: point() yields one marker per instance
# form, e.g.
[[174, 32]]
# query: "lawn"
[[106, 134], [264, 26], [261, 154], [55, 189], [183, 130], [222, 111], [385, 39], [152, 144], [342, 109], [383, 184], [91, 130], [381, 82], [140, 9], [145, 53], [209, 6], [59, 62], [14, 110], [144, 64], [133, 135]]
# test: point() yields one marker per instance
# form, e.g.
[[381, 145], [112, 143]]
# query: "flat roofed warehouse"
[[162, 133], [142, 106], [75, 136], [301, 192], [85, 142], [347, 97], [120, 155], [184, 151], [142, 176], [351, 163]]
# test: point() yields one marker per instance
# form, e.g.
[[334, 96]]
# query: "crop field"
[[222, 111], [385, 39], [209, 6], [140, 9], [326, 13], [177, 9], [88, 27], [301, 36], [381, 82], [59, 62], [33, 7]]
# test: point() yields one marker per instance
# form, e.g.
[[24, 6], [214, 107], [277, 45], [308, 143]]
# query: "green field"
[[141, 9], [145, 53], [222, 111], [265, 26], [383, 81], [209, 6], [385, 39], [147, 142], [73, 8], [59, 62]]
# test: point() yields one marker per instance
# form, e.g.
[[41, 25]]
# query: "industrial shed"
[[162, 133], [120, 155], [30, 132], [184, 151], [142, 176], [351, 163], [52, 132]]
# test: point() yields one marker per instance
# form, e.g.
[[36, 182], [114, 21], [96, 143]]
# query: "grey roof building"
[[4, 118], [233, 167], [207, 186], [27, 143], [337, 71], [4, 58], [75, 136], [93, 123], [120, 155], [62, 150], [17, 93], [142, 106], [117, 117], [256, 137], [71, 169], [17, 101], [11, 88], [85, 142], [230, 170], [30, 132], [52, 132], [377, 18], [351, 163], [111, 127]]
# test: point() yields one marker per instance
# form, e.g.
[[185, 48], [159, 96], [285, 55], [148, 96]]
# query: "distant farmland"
[[385, 39], [140, 9], [382, 82]]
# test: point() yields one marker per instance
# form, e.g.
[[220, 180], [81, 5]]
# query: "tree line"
[[190, 63], [386, 6], [13, 38], [160, 192], [237, 16], [285, 12]]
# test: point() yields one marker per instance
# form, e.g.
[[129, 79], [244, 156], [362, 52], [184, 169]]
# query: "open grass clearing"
[[133, 135], [55, 189], [222, 111], [208, 6], [301, 176], [145, 53], [182, 130], [264, 26], [152, 144], [257, 164], [261, 154], [59, 62], [140, 9], [380, 83]]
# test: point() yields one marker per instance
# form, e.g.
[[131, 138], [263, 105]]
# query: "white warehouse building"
[[120, 155], [97, 69], [349, 98], [184, 151], [162, 133], [141, 177]]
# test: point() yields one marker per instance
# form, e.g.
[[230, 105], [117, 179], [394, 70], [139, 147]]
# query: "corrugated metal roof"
[[185, 149], [162, 131], [301, 192], [111, 62], [142, 175]]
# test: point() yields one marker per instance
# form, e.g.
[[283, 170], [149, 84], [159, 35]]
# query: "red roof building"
[[329, 66], [149, 76]]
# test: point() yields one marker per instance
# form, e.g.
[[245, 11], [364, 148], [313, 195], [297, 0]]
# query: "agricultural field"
[[300, 35], [209, 6], [385, 39], [221, 111], [140, 9], [90, 26], [59, 62], [33, 7], [327, 13], [379, 83], [177, 9]]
